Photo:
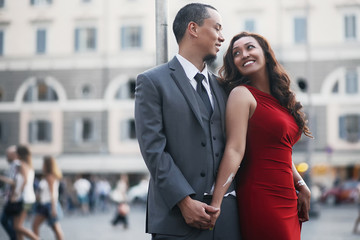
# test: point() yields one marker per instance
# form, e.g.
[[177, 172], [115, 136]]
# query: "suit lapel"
[[178, 75], [218, 98]]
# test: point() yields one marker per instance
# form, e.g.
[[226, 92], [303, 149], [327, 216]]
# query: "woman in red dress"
[[263, 121]]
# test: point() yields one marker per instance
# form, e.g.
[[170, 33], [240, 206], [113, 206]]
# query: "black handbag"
[[14, 208]]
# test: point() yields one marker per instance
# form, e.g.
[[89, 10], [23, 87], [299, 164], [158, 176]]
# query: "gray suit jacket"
[[172, 139]]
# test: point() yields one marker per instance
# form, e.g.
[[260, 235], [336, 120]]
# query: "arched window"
[[40, 92], [127, 90]]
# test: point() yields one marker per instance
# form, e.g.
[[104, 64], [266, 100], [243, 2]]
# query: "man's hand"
[[303, 203], [197, 214]]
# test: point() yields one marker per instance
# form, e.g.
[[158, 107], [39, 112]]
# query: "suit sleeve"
[[168, 179]]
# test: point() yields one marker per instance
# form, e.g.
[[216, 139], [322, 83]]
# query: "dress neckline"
[[260, 92]]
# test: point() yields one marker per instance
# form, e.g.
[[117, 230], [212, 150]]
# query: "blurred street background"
[[67, 81], [334, 223]]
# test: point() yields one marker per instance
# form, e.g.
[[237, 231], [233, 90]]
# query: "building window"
[[349, 128], [1, 95], [40, 41], [300, 30], [85, 39], [131, 37], [1, 42], [2, 3], [84, 130], [40, 131], [350, 26], [128, 130], [127, 90], [351, 81], [40, 92], [86, 1], [249, 25], [40, 2]]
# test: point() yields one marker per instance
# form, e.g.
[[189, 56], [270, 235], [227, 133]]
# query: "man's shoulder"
[[159, 69]]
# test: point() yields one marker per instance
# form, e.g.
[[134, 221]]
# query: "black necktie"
[[202, 92]]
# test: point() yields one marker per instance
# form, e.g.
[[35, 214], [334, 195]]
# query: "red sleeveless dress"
[[265, 189]]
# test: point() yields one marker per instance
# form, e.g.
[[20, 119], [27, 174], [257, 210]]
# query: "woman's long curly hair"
[[230, 77]]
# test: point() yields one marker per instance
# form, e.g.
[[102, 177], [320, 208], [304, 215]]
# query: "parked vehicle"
[[346, 192]]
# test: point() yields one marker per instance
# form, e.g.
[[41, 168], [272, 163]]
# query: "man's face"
[[10, 156], [210, 35]]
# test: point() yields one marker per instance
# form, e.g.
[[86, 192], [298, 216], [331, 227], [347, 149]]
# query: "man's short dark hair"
[[193, 12]]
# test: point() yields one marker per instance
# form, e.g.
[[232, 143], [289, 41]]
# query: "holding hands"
[[198, 214]]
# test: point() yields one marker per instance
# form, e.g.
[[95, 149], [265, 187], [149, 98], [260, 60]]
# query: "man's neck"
[[197, 61]]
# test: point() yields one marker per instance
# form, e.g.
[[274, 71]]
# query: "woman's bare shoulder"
[[241, 93]]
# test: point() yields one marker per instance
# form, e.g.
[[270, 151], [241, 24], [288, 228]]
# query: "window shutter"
[[48, 132], [124, 129], [77, 39], [1, 43], [342, 127], [140, 37], [78, 131], [41, 41], [95, 38], [122, 37], [32, 131]]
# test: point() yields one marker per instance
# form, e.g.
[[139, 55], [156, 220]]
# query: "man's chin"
[[209, 59]]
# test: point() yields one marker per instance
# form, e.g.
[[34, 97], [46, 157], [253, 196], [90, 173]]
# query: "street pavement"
[[333, 223]]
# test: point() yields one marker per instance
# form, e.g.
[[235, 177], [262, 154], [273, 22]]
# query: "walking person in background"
[[119, 195], [24, 191], [179, 116], [48, 207], [357, 220], [7, 219], [82, 187], [263, 122]]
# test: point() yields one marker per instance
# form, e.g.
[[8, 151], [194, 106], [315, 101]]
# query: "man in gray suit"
[[180, 126]]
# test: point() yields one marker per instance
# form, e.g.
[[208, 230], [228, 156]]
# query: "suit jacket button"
[[202, 174], [203, 144], [217, 154]]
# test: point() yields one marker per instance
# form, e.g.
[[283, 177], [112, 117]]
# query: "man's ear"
[[192, 29]]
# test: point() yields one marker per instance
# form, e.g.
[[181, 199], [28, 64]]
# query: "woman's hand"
[[303, 205], [213, 218]]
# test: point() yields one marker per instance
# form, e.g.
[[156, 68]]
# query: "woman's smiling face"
[[248, 56]]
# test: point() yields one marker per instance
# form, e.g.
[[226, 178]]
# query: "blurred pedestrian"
[[103, 189], [357, 221], [82, 187], [24, 191], [119, 195], [48, 207], [7, 218]]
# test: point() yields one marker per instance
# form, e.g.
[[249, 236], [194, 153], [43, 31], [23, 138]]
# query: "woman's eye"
[[250, 47]]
